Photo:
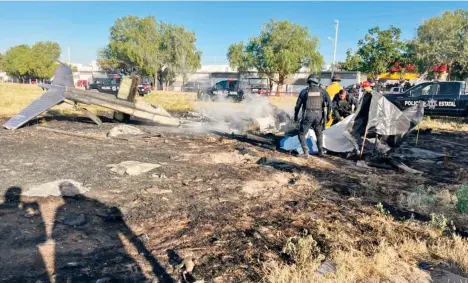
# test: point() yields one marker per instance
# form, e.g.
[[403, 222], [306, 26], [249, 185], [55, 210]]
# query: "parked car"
[[234, 89], [394, 90], [351, 91], [82, 83], [223, 89], [439, 98], [191, 86], [109, 85], [144, 89], [194, 86], [255, 86], [95, 84]]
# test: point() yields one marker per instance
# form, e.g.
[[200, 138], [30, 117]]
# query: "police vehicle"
[[440, 98], [235, 89], [112, 85]]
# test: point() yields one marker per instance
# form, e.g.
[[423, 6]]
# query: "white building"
[[3, 77], [87, 72]]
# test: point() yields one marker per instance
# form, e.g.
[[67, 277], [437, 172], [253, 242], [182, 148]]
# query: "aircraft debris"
[[124, 130], [62, 88], [132, 168], [57, 188]]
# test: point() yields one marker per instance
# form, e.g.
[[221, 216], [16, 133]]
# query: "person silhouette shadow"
[[22, 230], [89, 243]]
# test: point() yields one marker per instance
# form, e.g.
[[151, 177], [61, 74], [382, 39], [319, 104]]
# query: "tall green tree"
[[179, 55], [133, 46], [444, 40], [352, 62], [17, 61], [238, 57], [150, 48], [44, 59], [280, 50], [1, 61], [379, 49]]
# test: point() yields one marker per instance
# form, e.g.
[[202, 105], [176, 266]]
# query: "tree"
[[444, 40], [1, 60], [150, 48], [280, 50], [379, 49], [133, 46], [45, 56], [17, 61], [237, 57], [352, 62], [179, 54]]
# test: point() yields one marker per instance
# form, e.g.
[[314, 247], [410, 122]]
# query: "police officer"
[[312, 100], [342, 106]]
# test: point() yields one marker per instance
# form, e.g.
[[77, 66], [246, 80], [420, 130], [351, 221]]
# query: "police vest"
[[314, 99]]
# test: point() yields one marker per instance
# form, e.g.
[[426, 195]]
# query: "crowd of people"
[[322, 108]]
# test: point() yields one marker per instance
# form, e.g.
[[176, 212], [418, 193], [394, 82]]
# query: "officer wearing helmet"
[[312, 100]]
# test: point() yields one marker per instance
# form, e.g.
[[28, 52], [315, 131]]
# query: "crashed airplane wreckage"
[[62, 88], [376, 119]]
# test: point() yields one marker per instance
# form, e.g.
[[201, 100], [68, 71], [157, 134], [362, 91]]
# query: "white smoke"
[[236, 117]]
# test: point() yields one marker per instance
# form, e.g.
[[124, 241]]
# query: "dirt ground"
[[227, 201]]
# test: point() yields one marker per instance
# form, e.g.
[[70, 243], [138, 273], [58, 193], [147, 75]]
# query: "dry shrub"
[[445, 124], [421, 198], [453, 251], [388, 251], [306, 257], [385, 265]]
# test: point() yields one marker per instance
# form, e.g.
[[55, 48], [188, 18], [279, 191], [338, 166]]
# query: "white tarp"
[[333, 139]]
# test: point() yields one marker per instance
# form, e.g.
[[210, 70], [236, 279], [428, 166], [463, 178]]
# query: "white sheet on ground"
[[333, 139]]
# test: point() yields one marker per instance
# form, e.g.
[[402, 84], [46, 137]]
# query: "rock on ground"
[[57, 188]]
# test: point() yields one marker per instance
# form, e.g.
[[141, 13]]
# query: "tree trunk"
[[155, 81], [279, 88], [280, 84]]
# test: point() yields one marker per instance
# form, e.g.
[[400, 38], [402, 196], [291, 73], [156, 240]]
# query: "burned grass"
[[244, 212]]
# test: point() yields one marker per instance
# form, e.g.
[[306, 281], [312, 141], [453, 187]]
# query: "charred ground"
[[228, 202]]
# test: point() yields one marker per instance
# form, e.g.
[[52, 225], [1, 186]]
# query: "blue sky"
[[84, 26]]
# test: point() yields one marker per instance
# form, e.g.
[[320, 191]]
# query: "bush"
[[462, 196]]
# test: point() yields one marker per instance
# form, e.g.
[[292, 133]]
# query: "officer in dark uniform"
[[342, 106], [313, 101]]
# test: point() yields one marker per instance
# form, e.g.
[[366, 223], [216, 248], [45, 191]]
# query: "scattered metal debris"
[[63, 88], [57, 188], [125, 130], [132, 168], [326, 267]]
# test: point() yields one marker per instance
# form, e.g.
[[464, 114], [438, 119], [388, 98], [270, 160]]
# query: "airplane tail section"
[[63, 76]]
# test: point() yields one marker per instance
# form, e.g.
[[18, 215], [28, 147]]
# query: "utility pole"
[[335, 42], [69, 61]]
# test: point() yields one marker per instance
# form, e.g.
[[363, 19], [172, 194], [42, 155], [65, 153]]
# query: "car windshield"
[[422, 89]]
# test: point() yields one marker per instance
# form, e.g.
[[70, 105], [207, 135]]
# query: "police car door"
[[422, 92], [445, 100]]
